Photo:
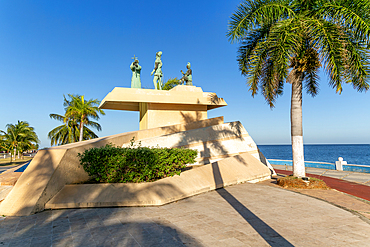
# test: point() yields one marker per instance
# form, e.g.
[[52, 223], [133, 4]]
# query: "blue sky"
[[51, 48]]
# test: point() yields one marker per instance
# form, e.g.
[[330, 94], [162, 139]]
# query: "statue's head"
[[159, 53], [136, 60], [188, 65]]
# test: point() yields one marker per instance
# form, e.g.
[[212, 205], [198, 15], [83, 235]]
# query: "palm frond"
[[252, 14], [353, 14]]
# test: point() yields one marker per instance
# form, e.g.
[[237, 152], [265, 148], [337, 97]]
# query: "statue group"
[[186, 78]]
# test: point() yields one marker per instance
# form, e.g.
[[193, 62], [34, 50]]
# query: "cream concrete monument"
[[227, 155], [158, 108]]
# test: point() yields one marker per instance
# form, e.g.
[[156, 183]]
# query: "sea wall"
[[323, 165]]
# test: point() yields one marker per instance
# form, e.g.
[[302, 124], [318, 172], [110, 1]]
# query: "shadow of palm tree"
[[235, 130], [272, 237]]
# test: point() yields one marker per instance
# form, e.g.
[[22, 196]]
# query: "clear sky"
[[51, 48]]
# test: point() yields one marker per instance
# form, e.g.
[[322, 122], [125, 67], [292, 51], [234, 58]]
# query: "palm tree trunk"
[[14, 154], [81, 130], [297, 129]]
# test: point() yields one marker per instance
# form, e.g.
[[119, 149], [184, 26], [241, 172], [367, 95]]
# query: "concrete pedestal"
[[158, 108]]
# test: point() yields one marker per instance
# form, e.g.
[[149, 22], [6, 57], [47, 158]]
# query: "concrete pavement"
[[240, 215]]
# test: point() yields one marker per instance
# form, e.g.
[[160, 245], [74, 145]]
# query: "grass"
[[8, 162], [298, 183]]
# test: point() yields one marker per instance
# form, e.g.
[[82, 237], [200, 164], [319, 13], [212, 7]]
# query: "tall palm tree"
[[290, 40], [69, 131], [19, 137], [82, 110]]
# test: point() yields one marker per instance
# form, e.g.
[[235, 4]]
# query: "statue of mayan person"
[[187, 77], [157, 71], [136, 70]]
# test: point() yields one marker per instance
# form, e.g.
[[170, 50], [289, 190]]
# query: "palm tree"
[[82, 110], [19, 137], [290, 40], [76, 118], [69, 131]]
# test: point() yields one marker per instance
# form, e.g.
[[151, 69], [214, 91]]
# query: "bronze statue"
[[187, 77], [157, 80], [136, 69]]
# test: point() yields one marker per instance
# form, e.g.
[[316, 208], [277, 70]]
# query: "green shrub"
[[134, 164]]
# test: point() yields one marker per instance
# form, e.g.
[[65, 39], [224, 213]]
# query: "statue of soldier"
[[157, 71], [187, 77], [136, 70]]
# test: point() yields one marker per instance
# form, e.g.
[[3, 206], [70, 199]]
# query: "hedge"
[[111, 164]]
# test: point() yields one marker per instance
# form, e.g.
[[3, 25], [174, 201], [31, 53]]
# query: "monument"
[[227, 154]]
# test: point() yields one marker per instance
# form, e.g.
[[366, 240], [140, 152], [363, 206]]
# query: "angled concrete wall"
[[212, 142], [233, 170], [55, 167]]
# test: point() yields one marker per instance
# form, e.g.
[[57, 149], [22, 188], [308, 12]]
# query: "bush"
[[134, 164]]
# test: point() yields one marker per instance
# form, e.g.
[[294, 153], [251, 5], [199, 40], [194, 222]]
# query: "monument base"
[[234, 170], [54, 168]]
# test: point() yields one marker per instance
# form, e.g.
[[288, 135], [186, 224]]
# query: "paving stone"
[[65, 240], [41, 241], [20, 242]]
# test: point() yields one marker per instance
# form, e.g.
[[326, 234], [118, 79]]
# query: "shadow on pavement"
[[272, 237], [90, 227]]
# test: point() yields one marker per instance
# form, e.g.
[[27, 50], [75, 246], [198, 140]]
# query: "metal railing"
[[325, 165]]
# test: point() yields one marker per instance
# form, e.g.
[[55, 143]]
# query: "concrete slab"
[[336, 174], [229, 171], [357, 177], [161, 107], [10, 177], [317, 171], [4, 191]]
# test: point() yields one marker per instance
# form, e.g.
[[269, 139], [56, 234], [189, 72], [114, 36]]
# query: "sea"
[[352, 153]]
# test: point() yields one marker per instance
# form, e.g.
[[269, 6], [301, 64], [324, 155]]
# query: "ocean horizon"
[[352, 153]]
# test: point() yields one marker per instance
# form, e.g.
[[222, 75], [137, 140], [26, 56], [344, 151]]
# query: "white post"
[[339, 164]]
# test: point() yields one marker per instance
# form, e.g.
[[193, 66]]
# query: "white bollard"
[[339, 164]]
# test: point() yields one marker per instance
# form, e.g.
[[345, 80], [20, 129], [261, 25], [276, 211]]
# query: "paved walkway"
[[356, 177], [240, 215], [5, 168], [357, 185]]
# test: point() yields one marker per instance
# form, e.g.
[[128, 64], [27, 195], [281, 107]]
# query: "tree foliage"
[[82, 110], [171, 83], [77, 114], [134, 164], [19, 137], [283, 39], [290, 40]]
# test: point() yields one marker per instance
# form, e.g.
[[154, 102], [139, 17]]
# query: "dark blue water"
[[353, 154]]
